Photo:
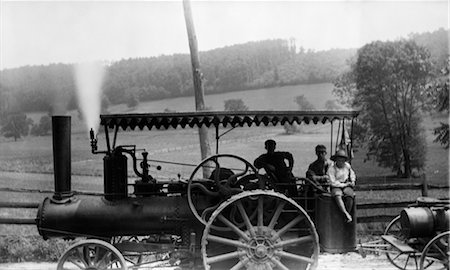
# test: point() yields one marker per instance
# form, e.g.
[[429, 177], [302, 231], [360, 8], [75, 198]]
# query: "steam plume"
[[89, 78]]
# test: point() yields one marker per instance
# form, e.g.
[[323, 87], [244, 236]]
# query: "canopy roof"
[[221, 118]]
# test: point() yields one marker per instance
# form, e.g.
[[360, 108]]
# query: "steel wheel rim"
[[265, 242], [92, 255], [439, 245], [404, 261]]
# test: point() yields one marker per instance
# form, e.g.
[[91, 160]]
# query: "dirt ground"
[[349, 261]]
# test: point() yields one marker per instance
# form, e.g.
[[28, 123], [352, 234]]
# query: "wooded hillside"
[[251, 65]]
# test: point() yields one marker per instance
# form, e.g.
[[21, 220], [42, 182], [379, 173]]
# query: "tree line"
[[251, 65]]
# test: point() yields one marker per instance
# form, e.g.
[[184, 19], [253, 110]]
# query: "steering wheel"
[[216, 179]]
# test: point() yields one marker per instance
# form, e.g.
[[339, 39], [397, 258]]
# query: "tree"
[[439, 93], [331, 105], [304, 103], [43, 128], [387, 83], [16, 125], [235, 105], [132, 100]]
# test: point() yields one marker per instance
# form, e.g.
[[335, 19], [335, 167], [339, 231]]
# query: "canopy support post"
[[108, 146], [351, 142], [217, 139], [220, 136], [331, 135], [115, 136]]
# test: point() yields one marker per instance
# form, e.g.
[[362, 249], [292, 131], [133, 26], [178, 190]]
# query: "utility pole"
[[197, 75]]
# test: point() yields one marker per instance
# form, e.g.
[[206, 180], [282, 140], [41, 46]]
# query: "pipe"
[[62, 157]]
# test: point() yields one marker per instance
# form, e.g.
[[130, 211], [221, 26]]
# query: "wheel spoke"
[[439, 249], [415, 262], [99, 256], [75, 263], [300, 240], [224, 257], [294, 256], [106, 258], [240, 264], [287, 227], [112, 262], [278, 263], [407, 260], [260, 211], [234, 228], [244, 215], [276, 215], [86, 255], [398, 255], [79, 254], [226, 241]]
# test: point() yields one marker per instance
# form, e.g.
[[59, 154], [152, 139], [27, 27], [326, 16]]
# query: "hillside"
[[253, 65]]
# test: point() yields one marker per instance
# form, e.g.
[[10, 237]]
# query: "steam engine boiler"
[[153, 208]]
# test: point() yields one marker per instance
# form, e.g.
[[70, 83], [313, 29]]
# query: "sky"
[[45, 32]]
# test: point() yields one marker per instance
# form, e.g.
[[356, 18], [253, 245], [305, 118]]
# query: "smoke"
[[89, 78]]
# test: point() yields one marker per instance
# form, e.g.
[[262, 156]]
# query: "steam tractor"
[[227, 215]]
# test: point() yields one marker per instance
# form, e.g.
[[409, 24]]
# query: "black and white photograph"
[[224, 134]]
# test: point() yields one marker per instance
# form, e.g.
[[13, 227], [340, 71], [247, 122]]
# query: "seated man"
[[274, 163], [342, 180], [317, 171]]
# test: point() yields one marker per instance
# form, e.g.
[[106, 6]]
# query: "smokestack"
[[61, 157]]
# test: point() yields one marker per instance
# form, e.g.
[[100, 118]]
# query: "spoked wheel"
[[401, 260], [92, 255], [437, 250], [139, 253], [216, 179], [279, 236]]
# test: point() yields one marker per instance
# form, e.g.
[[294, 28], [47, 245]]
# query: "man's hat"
[[341, 153]]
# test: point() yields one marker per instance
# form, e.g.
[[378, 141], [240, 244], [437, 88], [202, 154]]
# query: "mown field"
[[28, 163]]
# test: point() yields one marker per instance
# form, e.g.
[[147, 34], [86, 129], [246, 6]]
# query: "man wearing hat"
[[274, 163], [342, 180]]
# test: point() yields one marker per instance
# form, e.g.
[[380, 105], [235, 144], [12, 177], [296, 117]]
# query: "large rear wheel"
[[277, 234]]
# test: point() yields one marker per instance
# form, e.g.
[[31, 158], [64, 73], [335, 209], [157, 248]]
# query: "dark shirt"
[[277, 159]]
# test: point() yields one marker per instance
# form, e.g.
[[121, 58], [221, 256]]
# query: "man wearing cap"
[[342, 181], [274, 162], [317, 171]]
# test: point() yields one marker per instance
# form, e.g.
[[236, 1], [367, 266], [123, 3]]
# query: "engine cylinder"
[[115, 176]]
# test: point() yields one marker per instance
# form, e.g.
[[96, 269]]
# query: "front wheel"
[[277, 234], [92, 255]]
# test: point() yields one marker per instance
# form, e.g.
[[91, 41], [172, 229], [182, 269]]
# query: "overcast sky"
[[38, 32]]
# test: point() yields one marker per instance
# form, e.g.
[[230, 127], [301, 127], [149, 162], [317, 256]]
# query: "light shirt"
[[338, 176]]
